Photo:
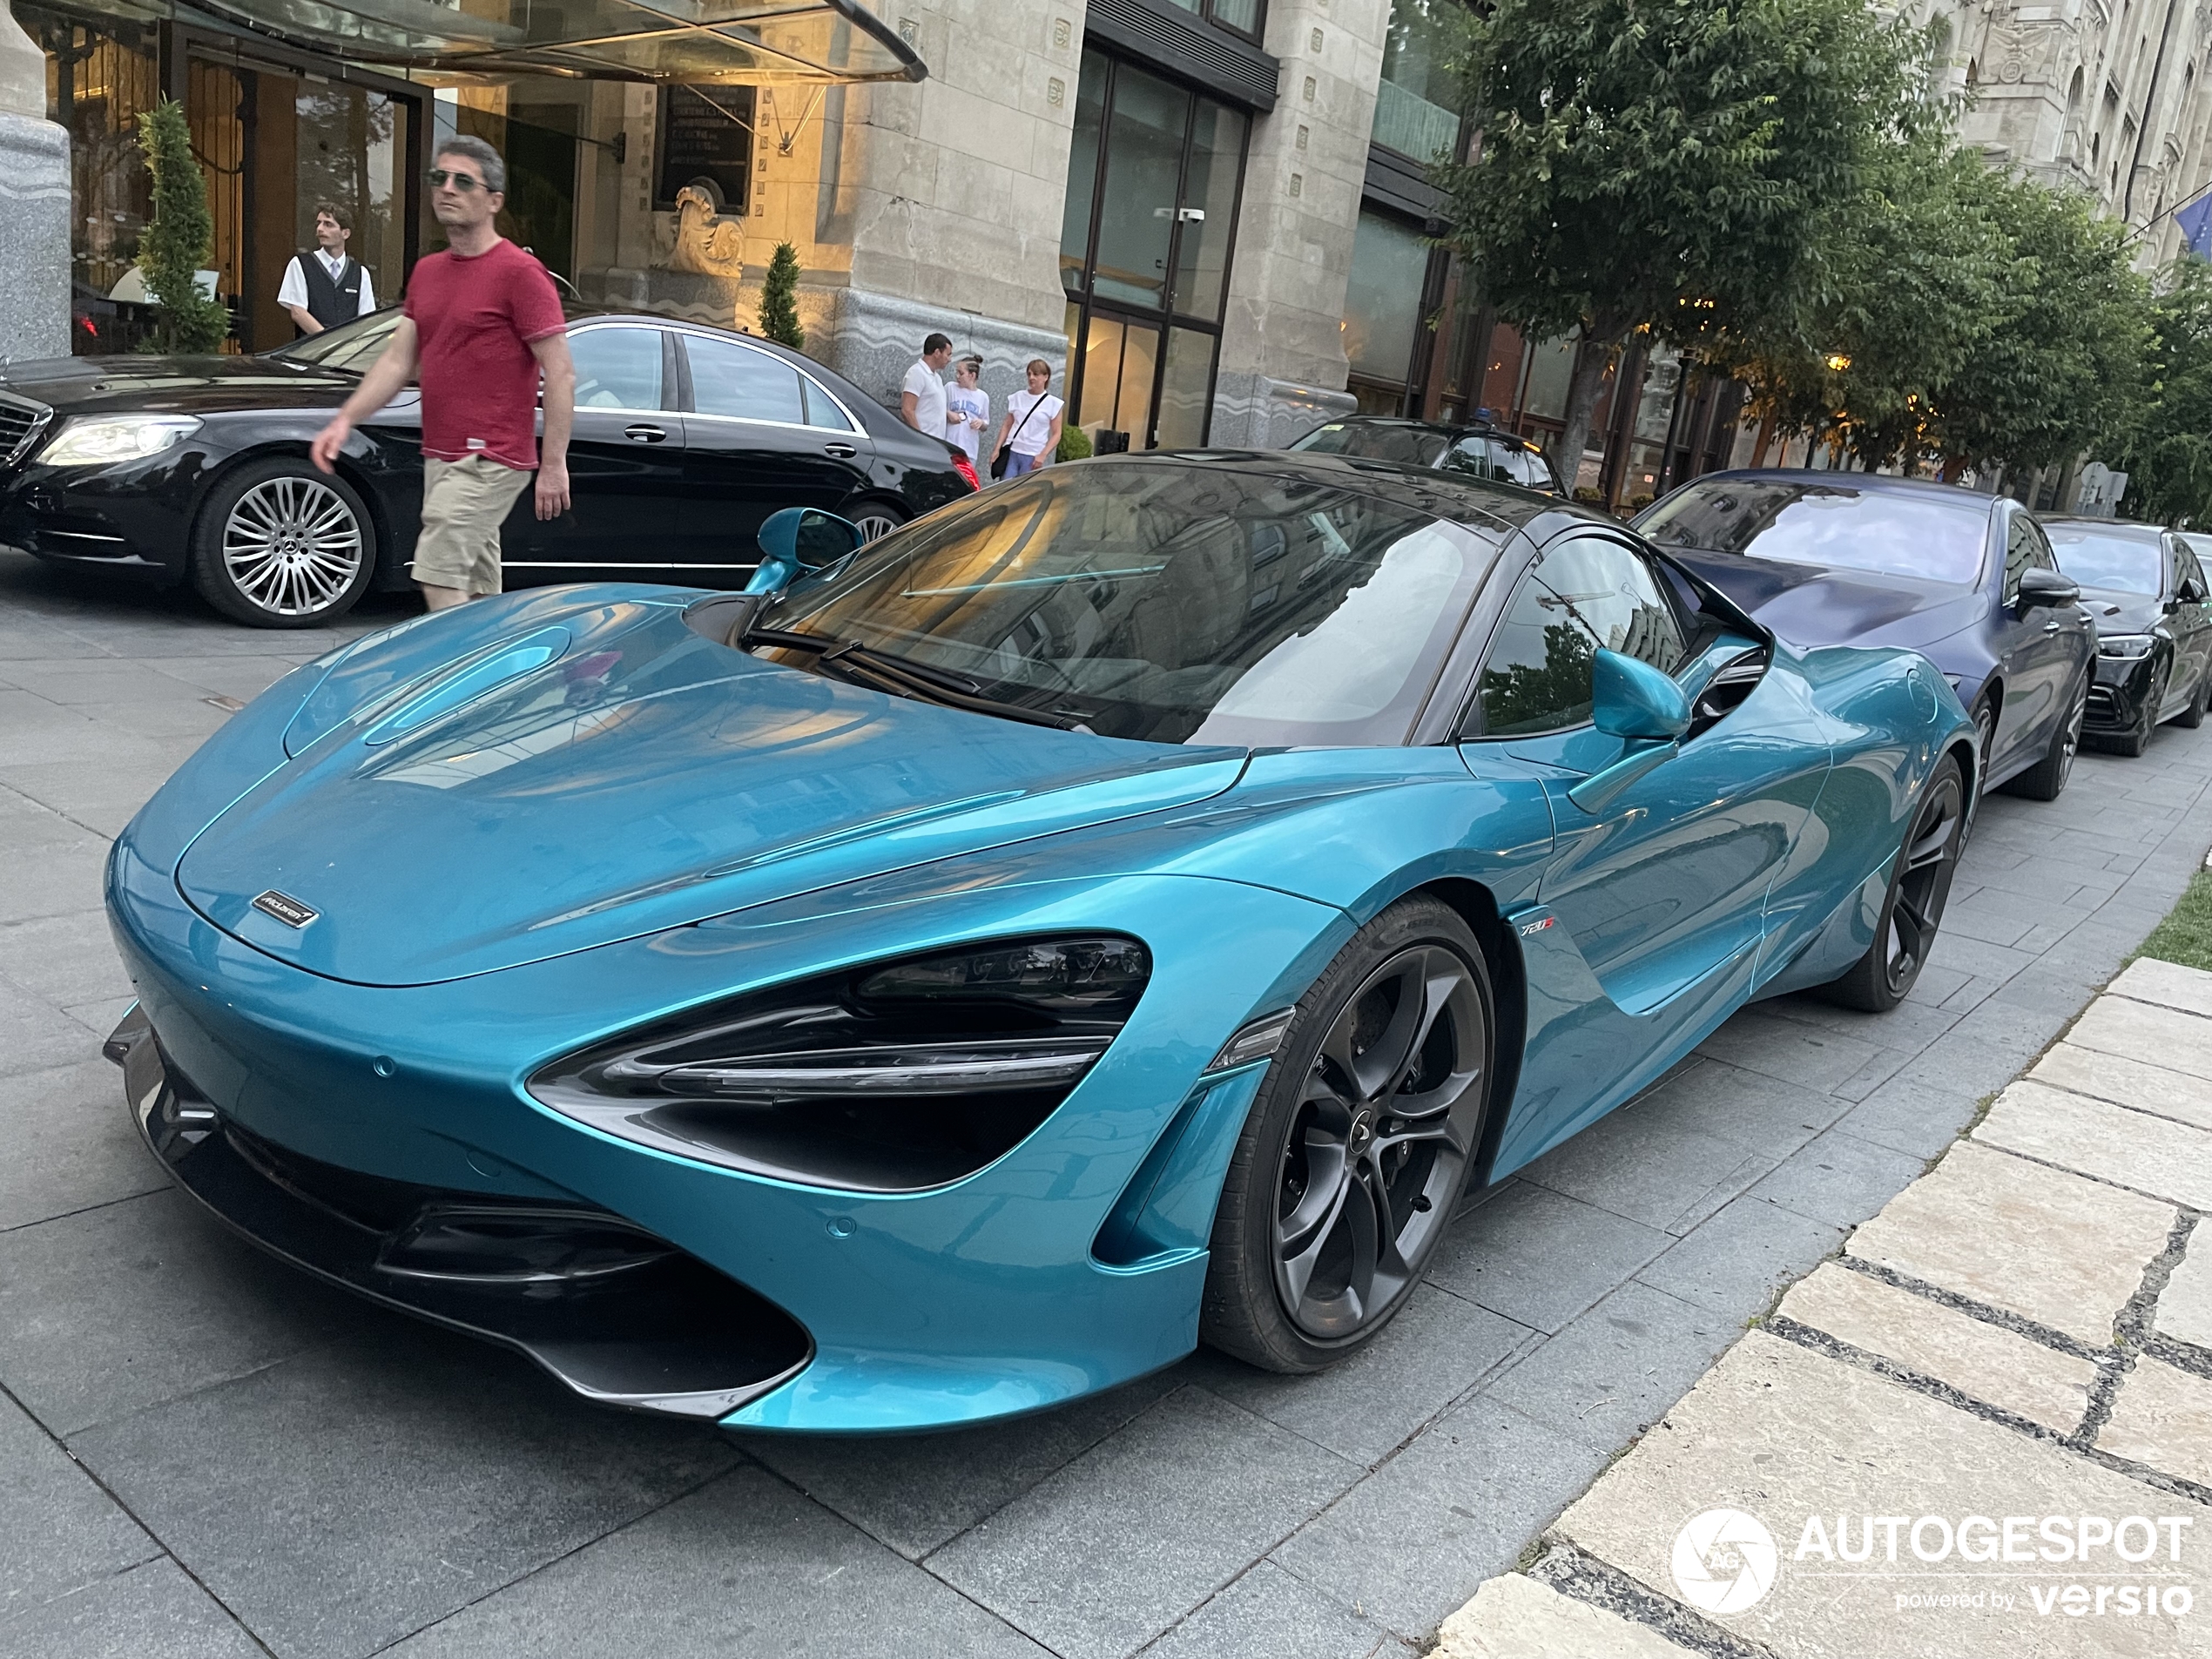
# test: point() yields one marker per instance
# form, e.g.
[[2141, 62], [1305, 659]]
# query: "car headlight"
[[117, 437], [2128, 645], [890, 1077]]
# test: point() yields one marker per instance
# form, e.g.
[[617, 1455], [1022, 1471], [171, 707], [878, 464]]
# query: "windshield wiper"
[[886, 672]]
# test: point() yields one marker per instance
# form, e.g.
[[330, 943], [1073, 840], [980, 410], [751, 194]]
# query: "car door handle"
[[644, 434], [842, 451], [2052, 627]]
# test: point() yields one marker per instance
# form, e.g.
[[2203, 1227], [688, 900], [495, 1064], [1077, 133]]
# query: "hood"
[[617, 774], [1813, 605], [134, 385], [2118, 611]]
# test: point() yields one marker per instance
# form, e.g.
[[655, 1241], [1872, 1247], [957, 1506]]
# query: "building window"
[[1382, 311], [1417, 106], [1153, 179], [1245, 17]]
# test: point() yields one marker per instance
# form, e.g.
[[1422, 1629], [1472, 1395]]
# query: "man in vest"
[[325, 288]]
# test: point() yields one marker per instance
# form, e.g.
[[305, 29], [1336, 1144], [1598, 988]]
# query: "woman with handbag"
[[1031, 429]]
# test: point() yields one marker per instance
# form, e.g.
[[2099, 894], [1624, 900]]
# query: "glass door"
[[276, 142], [1154, 176]]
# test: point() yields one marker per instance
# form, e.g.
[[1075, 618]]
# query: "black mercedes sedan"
[[170, 469], [2145, 588], [1476, 451], [1850, 558]]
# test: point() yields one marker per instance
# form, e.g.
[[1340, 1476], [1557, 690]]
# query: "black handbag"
[[1000, 461]]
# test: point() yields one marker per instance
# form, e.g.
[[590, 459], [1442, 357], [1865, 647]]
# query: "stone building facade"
[[2112, 97]]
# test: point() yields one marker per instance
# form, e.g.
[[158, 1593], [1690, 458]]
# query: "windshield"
[[351, 345], [2097, 557], [1894, 532], [1409, 446], [1169, 603]]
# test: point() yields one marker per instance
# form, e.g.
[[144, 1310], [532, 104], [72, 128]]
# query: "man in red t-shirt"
[[483, 322]]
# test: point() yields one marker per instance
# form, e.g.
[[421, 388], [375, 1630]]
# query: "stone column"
[[34, 206], [1283, 365], [949, 195]]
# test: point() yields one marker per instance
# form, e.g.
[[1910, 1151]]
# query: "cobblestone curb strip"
[[1985, 1429]]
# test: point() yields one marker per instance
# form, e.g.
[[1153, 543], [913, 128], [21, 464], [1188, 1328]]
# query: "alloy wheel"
[[293, 546], [875, 524], [2070, 741], [1382, 1131], [1931, 859]]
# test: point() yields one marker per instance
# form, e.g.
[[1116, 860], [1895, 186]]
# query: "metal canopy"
[[753, 42]]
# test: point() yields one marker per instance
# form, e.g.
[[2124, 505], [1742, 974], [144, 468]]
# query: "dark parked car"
[[1476, 451], [1829, 558], [2145, 591], [686, 437]]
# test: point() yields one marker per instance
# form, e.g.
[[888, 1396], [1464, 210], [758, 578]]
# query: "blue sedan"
[[1129, 908], [1830, 559]]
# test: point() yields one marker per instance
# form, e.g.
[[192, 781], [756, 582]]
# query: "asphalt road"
[[204, 1454]]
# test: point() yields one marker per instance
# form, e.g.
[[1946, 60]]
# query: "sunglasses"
[[463, 182]]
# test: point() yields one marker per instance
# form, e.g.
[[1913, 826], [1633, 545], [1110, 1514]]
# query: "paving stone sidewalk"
[[202, 1453], [2025, 1332]]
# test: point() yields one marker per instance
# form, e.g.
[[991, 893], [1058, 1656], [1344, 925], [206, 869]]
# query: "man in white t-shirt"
[[324, 288], [921, 401], [968, 408]]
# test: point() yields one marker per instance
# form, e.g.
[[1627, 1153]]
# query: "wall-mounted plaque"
[[706, 134]]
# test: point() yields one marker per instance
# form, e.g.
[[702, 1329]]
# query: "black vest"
[[332, 302]]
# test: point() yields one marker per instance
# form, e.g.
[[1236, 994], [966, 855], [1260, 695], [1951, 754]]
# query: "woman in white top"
[[968, 408], [1031, 429]]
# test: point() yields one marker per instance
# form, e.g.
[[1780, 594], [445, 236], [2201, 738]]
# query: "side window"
[[616, 368], [737, 380], [1582, 596], [2191, 571], [821, 409], [1473, 456], [1525, 467], [2021, 539], [2039, 545]]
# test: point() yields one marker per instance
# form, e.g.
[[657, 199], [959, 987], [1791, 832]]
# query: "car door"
[[2040, 651], [1664, 886], [759, 436], [626, 459], [2191, 618]]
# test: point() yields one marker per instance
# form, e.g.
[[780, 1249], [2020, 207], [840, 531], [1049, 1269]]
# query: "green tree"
[[1972, 315], [2167, 451], [1915, 286], [2061, 369], [780, 300], [178, 240], [1668, 165]]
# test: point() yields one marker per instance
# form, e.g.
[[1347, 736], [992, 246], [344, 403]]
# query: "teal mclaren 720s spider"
[[1130, 907]]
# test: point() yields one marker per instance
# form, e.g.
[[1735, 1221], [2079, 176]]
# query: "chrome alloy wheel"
[[1384, 1128], [293, 546], [2070, 741], [1930, 859], [876, 524]]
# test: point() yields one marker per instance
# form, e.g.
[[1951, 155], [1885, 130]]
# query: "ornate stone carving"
[[706, 243]]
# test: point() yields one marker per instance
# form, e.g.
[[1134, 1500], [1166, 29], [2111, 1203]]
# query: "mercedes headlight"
[[2126, 646], [890, 1077], [117, 437]]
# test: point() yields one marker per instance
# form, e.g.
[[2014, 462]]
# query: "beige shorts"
[[465, 503]]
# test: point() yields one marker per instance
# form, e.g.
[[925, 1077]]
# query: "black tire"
[[2132, 742], [1912, 909], [877, 519], [2193, 717], [282, 545], [1984, 718], [2046, 779], [1310, 1256]]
